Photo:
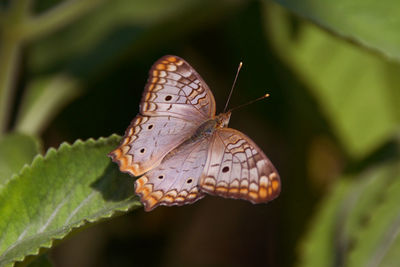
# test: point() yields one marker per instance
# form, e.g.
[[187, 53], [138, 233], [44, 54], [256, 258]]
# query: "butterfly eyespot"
[[142, 150], [161, 177], [225, 169], [150, 127], [189, 180], [168, 98]]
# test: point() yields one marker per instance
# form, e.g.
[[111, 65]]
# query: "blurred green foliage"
[[75, 69]]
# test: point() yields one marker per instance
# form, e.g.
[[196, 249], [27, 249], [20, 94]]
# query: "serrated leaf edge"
[[48, 244], [61, 147], [65, 146]]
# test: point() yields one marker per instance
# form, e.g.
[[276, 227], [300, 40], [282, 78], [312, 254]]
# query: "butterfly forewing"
[[237, 168], [176, 180], [175, 102], [175, 89], [148, 140]]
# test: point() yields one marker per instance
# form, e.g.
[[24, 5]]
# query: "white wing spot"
[[235, 183], [171, 67], [261, 164], [253, 187], [264, 181], [244, 183], [209, 180]]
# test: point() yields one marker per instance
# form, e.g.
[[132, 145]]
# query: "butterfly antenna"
[[233, 86], [250, 102]]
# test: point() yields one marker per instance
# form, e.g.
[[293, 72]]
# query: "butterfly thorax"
[[208, 127], [223, 119]]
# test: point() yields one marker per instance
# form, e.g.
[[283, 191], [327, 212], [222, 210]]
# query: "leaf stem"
[[57, 17], [10, 50], [17, 27]]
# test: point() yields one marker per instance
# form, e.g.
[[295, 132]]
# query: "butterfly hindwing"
[[174, 88], [237, 168], [175, 181]]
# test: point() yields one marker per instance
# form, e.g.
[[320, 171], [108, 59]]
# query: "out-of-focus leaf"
[[381, 229], [49, 17], [358, 209], [374, 24], [357, 90], [117, 27], [16, 150], [63, 190], [92, 44], [317, 249], [44, 98]]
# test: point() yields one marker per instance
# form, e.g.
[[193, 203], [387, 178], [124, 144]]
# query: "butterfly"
[[183, 151]]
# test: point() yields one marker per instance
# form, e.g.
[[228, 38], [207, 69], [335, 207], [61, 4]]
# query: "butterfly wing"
[[175, 89], [176, 180], [237, 168], [175, 102], [147, 140]]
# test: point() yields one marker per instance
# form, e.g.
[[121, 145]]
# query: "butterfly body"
[[209, 126], [183, 150]]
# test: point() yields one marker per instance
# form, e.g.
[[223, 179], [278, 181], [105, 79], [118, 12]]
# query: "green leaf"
[[359, 223], [16, 150], [317, 248], [42, 101], [382, 229], [65, 62], [374, 24], [116, 29], [63, 190], [355, 89]]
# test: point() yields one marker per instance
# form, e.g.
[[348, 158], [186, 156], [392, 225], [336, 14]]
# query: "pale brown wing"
[[176, 180], [175, 89], [237, 168], [147, 140], [175, 102]]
